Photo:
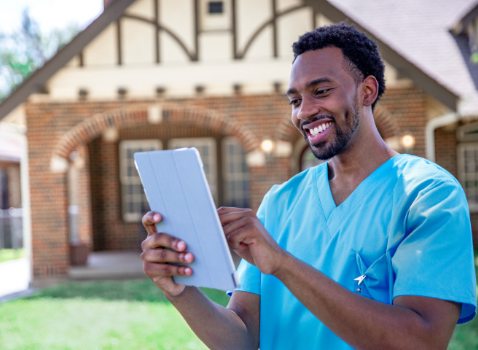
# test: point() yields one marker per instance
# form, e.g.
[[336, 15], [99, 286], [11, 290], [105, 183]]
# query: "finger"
[[149, 220], [237, 224], [154, 270], [225, 210], [232, 216], [166, 256], [239, 239], [159, 240]]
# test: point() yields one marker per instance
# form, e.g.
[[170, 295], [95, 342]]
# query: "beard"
[[342, 136]]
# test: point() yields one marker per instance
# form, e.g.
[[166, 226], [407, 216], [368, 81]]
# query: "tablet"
[[176, 187]]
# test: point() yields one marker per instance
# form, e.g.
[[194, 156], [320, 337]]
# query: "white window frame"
[[464, 176], [210, 159], [234, 176], [125, 179], [468, 138]]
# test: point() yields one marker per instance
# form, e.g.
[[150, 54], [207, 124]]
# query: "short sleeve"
[[435, 259], [249, 275]]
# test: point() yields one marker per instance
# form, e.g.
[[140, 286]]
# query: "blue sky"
[[49, 14]]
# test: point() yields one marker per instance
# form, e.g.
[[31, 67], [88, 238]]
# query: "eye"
[[294, 103], [322, 92]]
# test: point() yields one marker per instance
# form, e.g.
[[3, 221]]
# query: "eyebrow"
[[310, 84]]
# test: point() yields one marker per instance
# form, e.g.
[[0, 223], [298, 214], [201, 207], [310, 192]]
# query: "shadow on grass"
[[130, 290]]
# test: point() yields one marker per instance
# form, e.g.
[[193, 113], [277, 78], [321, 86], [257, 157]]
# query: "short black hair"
[[359, 50]]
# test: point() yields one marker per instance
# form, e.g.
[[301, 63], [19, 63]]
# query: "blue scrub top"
[[406, 228]]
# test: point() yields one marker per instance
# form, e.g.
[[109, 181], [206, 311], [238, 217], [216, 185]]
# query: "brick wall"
[[102, 226], [408, 108]]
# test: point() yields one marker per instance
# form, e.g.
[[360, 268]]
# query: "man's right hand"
[[156, 259]]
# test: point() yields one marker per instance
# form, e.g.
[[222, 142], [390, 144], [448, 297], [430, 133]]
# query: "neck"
[[365, 152]]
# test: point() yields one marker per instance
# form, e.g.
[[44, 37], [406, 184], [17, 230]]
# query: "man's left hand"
[[250, 240]]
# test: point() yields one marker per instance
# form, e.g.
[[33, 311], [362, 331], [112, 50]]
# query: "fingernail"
[[188, 257], [188, 271], [181, 245], [156, 217]]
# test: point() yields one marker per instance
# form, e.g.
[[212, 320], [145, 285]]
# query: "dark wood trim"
[[168, 31], [63, 56], [119, 49], [275, 52], [197, 29], [404, 66], [81, 59], [265, 25], [314, 19], [466, 19], [234, 29], [220, 170], [157, 46]]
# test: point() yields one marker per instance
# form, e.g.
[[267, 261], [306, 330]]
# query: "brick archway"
[[94, 126], [386, 124]]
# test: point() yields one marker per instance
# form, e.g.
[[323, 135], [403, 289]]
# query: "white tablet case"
[[176, 187]]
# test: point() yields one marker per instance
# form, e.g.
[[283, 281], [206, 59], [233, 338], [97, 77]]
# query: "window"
[[207, 149], [134, 202], [215, 7], [468, 172], [236, 174], [215, 15]]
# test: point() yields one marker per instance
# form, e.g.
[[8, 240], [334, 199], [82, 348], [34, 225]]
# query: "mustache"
[[316, 118]]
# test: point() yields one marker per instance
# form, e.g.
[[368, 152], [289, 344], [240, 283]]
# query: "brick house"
[[162, 74]]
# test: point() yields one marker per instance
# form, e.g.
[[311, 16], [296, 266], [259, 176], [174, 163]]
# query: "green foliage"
[[23, 52], [474, 57]]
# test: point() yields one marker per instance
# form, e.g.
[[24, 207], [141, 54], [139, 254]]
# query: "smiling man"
[[369, 250]]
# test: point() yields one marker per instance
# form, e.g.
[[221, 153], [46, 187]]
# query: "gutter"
[[430, 131]]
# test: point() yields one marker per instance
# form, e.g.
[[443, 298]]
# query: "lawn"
[[123, 315], [11, 254]]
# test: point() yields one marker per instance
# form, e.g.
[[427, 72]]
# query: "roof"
[[38, 79], [434, 59], [420, 31]]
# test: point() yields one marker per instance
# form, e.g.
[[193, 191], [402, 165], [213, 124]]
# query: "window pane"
[[236, 174], [134, 201], [206, 147]]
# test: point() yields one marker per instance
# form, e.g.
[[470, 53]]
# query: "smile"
[[319, 129]]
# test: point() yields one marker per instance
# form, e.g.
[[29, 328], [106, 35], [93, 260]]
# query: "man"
[[370, 250]]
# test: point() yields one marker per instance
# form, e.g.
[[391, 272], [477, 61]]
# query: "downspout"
[[430, 132]]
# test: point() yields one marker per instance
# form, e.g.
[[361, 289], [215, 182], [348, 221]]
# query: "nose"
[[307, 109]]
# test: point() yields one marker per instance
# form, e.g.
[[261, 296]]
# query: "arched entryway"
[[99, 153]]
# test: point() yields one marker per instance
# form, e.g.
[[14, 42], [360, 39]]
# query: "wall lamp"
[[407, 141]]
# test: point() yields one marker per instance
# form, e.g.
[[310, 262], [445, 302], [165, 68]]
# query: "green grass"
[[123, 315], [465, 336], [11, 254]]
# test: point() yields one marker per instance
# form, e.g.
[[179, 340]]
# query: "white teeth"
[[315, 131]]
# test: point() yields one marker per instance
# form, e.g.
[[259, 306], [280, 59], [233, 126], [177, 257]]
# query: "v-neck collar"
[[332, 211]]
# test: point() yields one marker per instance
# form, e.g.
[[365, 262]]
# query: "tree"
[[24, 51]]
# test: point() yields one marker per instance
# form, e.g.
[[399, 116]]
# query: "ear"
[[369, 89]]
